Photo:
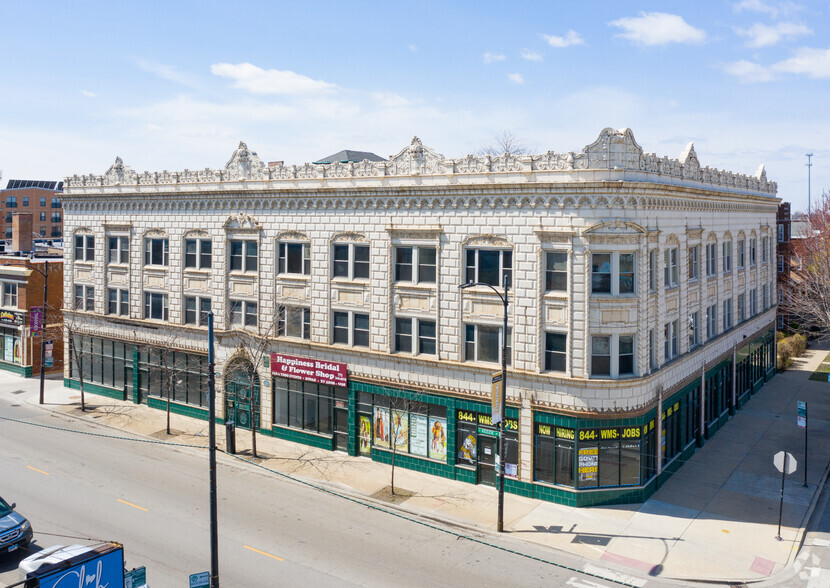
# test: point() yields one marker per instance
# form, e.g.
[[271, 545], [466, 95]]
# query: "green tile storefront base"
[[177, 408], [20, 370], [299, 436], [95, 389], [411, 462]]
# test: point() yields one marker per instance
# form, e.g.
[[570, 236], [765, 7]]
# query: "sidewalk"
[[715, 519]]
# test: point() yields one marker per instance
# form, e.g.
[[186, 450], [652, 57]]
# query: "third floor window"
[[612, 273], [294, 258], [488, 266], [556, 271], [197, 253], [156, 251], [351, 261], [243, 256], [85, 247], [119, 250]]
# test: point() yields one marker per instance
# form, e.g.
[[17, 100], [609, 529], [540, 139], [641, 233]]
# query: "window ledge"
[[285, 276], [151, 266], [118, 265], [198, 270], [356, 281]]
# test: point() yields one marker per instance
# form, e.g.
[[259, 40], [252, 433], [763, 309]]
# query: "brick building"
[[40, 198]]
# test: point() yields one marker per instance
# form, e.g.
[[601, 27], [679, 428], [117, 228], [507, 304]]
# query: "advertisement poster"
[[418, 435], [17, 357], [8, 348], [365, 435], [400, 429], [382, 427], [438, 438], [588, 464]]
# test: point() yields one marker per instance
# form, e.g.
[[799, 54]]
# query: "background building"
[[40, 198], [641, 316]]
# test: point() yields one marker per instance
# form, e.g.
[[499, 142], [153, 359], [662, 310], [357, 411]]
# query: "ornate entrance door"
[[242, 398]]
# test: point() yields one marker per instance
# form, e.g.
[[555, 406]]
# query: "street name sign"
[[200, 580], [801, 417]]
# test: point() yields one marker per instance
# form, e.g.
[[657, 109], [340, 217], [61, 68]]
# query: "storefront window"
[[415, 427], [10, 350], [564, 459], [303, 405]]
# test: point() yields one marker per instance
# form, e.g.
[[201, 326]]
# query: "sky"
[[177, 84]]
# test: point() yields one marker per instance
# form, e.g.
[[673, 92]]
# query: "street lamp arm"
[[493, 288]]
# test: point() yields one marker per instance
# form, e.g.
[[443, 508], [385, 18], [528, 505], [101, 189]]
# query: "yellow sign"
[[496, 393]]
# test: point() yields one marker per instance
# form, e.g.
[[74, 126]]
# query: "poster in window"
[[365, 435], [8, 347], [418, 434], [400, 429], [588, 465], [438, 438], [17, 357], [467, 451], [382, 427]]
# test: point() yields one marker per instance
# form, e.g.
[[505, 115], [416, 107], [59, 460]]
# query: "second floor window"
[[670, 268], [612, 273], [118, 302], [294, 258], [556, 271], [753, 302], [198, 253], [119, 250], [243, 256], [85, 247], [155, 306], [25, 201], [56, 217], [727, 257], [488, 266], [350, 328], [414, 336], [556, 352], [243, 313], [694, 329], [741, 307], [694, 262], [415, 264], [670, 340], [753, 253], [484, 343], [10, 294], [727, 314], [711, 260], [156, 251], [764, 249], [711, 321], [196, 311], [351, 261], [85, 298], [741, 254], [43, 201], [294, 321]]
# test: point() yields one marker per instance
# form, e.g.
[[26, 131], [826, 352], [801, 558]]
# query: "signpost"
[[801, 420], [785, 463], [136, 578], [200, 580]]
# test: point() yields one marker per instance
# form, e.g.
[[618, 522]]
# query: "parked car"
[[15, 530]]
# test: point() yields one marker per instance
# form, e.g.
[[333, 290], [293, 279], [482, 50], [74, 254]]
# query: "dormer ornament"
[[245, 164]]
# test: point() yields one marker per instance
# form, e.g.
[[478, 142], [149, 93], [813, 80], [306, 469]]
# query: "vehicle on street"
[[15, 530]]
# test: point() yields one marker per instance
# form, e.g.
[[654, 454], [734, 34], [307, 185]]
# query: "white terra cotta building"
[[640, 317]]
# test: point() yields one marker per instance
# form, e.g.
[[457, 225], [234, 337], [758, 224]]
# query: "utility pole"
[[809, 165], [214, 532]]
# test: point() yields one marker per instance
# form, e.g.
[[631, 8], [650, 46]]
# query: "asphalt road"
[[153, 499]]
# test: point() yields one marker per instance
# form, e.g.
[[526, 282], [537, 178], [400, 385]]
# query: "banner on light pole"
[[495, 393]]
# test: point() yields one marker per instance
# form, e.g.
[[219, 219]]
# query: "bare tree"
[[807, 293], [76, 326], [167, 365], [504, 142]]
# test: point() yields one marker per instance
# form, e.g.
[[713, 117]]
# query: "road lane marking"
[[133, 505], [39, 471], [263, 553]]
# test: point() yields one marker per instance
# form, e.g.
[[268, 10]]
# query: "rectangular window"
[[556, 271], [243, 313], [741, 254], [196, 311], [43, 201], [10, 294], [626, 355], [118, 302], [652, 270], [741, 307], [84, 247], [351, 261], [304, 405], [780, 264], [489, 266], [711, 260], [56, 202], [42, 218], [764, 297], [670, 269], [727, 314], [294, 258], [670, 343], [25, 201], [415, 264], [601, 273], [56, 217], [243, 256], [780, 233], [198, 253], [9, 218], [753, 255], [694, 329], [626, 269], [556, 352], [11, 202], [694, 262], [764, 249], [407, 342], [351, 328], [119, 250], [484, 343], [294, 321], [652, 349], [156, 251], [42, 231], [155, 306], [753, 302], [711, 321], [600, 356], [727, 257]]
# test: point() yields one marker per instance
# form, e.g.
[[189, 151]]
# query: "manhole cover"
[[18, 392], [592, 540], [15, 406]]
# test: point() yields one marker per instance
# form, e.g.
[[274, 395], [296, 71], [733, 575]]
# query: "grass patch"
[[820, 375]]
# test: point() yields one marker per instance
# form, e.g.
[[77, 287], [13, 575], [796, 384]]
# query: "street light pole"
[[503, 395], [43, 326], [214, 532]]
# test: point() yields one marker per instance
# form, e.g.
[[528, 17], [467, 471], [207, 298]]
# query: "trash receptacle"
[[230, 437]]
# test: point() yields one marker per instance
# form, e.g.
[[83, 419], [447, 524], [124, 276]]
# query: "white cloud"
[[493, 57], [270, 81], [658, 28], [748, 72], [516, 78], [570, 38], [772, 9], [412, 47], [814, 63], [390, 100], [166, 72], [531, 55], [88, 94], [761, 35]]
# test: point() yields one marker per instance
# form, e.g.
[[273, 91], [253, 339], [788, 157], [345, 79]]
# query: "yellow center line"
[[38, 471], [133, 505], [263, 553]]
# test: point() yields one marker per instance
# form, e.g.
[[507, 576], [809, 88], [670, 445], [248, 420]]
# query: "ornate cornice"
[[615, 155]]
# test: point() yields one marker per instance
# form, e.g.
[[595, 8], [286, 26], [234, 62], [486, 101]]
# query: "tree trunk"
[[253, 423], [169, 386], [78, 366]]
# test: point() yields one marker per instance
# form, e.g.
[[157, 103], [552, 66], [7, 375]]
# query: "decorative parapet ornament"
[[614, 151]]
